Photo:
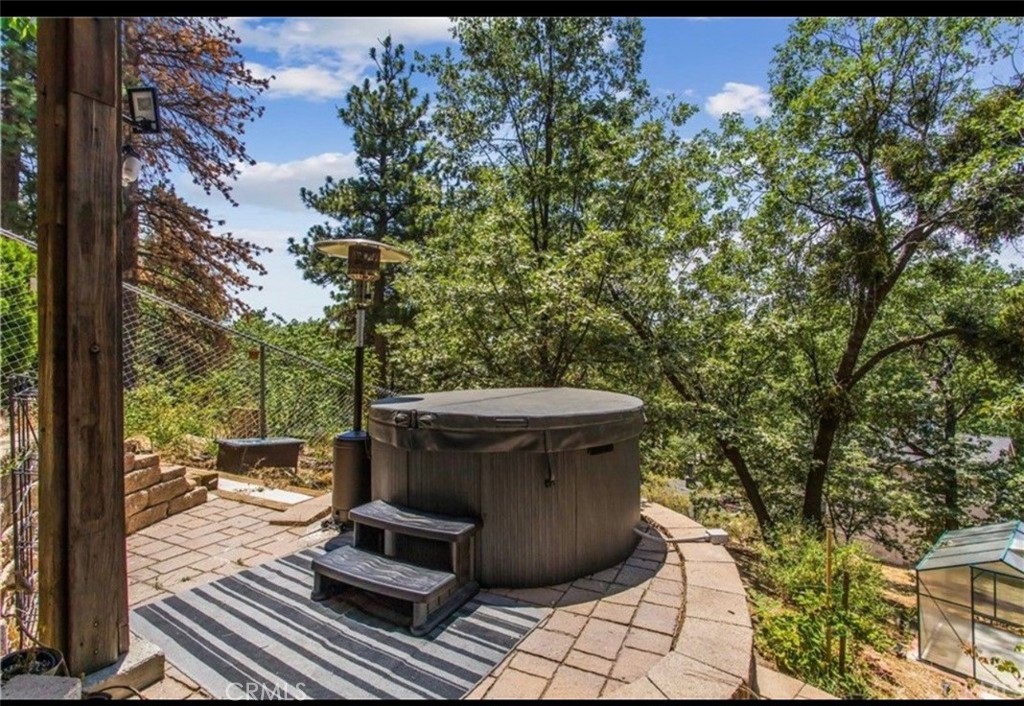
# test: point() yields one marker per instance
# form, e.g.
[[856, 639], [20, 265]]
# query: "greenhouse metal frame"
[[970, 603]]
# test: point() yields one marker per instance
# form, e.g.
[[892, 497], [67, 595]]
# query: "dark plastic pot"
[[36, 660]]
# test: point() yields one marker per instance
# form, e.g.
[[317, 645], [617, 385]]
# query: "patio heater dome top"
[[340, 248]]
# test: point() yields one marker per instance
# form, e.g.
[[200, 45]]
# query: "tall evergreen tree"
[[386, 200]]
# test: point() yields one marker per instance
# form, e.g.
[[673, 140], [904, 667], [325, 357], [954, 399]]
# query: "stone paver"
[[613, 612], [590, 663], [602, 638], [632, 664], [620, 633], [517, 685], [648, 640], [564, 621], [531, 664], [659, 618], [547, 643], [572, 683], [775, 685]]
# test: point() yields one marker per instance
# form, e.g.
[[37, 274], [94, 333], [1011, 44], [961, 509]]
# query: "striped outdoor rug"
[[258, 635]]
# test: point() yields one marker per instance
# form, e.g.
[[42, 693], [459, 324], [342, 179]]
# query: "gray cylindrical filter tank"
[[351, 478]]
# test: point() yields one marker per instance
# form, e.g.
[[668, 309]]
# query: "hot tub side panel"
[[528, 536], [389, 468], [447, 482], [607, 505]]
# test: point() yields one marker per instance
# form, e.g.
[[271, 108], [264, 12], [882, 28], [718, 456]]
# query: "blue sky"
[[718, 64]]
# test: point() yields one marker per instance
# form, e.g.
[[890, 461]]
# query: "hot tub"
[[552, 472]]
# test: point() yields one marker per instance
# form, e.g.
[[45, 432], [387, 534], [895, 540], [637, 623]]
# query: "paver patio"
[[619, 633]]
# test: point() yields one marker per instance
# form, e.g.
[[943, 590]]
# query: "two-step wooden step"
[[434, 593]]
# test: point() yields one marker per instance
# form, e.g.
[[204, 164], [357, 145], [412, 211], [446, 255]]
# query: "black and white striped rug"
[[258, 635]]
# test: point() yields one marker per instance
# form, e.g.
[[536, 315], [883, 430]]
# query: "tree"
[[547, 142], [207, 95], [915, 461], [386, 201], [882, 147], [18, 321], [17, 124]]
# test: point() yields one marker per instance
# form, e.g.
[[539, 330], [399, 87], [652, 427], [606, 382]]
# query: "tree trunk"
[[739, 464], [814, 490]]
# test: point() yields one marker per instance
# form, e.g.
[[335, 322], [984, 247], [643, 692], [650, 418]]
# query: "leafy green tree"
[[913, 462], [882, 148], [551, 156], [18, 327], [388, 198]]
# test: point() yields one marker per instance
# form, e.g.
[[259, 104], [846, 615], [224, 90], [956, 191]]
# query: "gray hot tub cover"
[[536, 419]]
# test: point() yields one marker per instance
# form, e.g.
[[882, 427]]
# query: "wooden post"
[[82, 564], [828, 599]]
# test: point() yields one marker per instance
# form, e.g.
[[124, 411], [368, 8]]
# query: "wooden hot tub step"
[[415, 523], [434, 594]]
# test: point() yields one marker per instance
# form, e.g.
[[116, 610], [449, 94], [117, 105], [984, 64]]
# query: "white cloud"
[[311, 82], [294, 37], [272, 187], [276, 185], [322, 57], [740, 98]]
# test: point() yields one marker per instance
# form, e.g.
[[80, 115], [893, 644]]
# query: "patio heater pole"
[[357, 403], [351, 477]]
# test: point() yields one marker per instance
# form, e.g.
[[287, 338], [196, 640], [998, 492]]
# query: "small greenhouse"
[[970, 602]]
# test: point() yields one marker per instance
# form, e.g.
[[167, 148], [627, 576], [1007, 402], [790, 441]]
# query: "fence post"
[[263, 390]]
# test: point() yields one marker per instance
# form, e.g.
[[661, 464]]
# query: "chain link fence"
[[186, 375], [188, 381]]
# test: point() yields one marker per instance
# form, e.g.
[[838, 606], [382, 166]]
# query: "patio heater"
[[351, 474]]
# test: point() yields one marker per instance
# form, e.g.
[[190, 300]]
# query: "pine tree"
[[385, 201]]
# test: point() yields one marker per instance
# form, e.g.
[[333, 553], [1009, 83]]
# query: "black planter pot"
[[36, 660]]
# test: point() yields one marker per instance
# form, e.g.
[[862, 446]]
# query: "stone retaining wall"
[[713, 653], [153, 492]]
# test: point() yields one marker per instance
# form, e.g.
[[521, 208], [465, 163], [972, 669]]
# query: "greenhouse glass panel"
[[970, 589], [946, 635], [951, 584], [1010, 600], [984, 593], [990, 642]]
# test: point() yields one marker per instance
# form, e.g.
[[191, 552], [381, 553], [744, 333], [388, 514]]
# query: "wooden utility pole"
[[83, 598]]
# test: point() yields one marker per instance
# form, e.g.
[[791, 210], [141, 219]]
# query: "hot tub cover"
[[535, 419]]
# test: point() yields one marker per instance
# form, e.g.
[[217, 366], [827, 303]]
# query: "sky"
[[718, 64]]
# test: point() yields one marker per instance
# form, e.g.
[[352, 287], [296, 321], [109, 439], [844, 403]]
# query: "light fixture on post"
[[131, 165], [144, 117], [144, 110], [351, 480]]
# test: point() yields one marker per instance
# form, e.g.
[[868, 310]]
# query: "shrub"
[[658, 490], [794, 612]]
